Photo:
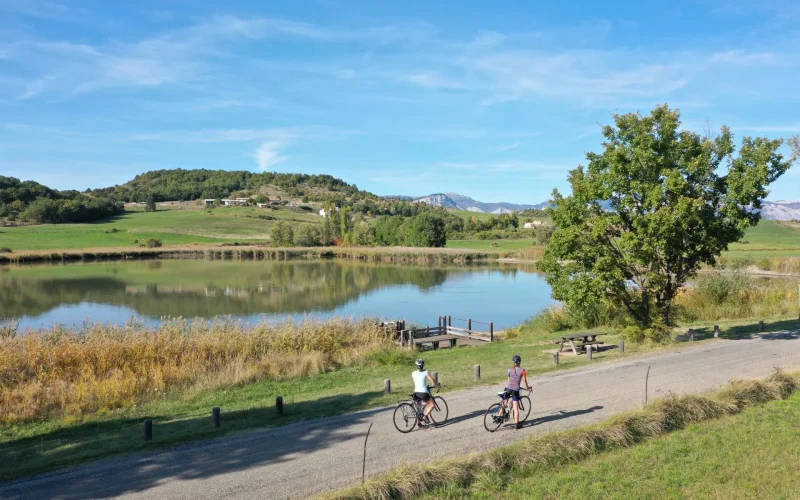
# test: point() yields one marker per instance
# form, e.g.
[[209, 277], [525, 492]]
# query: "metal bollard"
[[477, 372], [148, 430], [761, 326], [387, 386], [589, 349], [621, 345], [691, 335], [279, 405], [215, 416], [555, 358], [716, 331], [435, 377]]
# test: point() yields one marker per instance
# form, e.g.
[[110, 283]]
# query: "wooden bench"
[[435, 339]]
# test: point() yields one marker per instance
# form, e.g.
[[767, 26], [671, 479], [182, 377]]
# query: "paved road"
[[302, 459]]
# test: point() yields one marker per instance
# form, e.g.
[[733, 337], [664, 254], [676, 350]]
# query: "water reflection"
[[255, 290]]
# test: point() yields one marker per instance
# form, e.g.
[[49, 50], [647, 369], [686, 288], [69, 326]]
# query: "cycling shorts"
[[511, 393], [423, 396]]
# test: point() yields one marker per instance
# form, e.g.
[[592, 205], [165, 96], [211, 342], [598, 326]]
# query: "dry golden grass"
[[666, 415], [63, 372]]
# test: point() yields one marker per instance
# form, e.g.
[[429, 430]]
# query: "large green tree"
[[650, 209]]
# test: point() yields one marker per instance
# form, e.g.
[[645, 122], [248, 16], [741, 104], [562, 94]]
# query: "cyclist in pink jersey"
[[516, 376]]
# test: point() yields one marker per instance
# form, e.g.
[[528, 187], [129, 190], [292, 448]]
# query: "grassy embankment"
[[70, 397], [738, 442]]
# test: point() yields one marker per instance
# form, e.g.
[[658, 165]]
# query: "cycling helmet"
[[420, 363], [516, 359]]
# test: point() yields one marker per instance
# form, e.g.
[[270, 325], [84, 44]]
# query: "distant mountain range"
[[461, 202], [771, 210], [781, 210]]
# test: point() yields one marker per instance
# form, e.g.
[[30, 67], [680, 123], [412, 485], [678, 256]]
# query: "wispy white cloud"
[[434, 81], [268, 154], [746, 58], [215, 135], [43, 9]]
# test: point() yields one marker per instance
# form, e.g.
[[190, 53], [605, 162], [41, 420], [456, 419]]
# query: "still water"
[[254, 291]]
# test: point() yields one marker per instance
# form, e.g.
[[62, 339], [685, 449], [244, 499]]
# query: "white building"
[[533, 224]]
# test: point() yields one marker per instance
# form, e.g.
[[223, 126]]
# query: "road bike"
[[500, 413], [408, 413]]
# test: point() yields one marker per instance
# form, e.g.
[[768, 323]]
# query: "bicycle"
[[407, 414], [501, 412]]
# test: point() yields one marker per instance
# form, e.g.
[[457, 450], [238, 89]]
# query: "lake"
[[254, 291]]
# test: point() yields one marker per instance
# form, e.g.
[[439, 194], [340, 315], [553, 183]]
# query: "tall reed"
[[60, 372]]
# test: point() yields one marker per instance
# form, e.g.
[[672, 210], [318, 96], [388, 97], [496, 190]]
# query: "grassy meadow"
[[172, 227]]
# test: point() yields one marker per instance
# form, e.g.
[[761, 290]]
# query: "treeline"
[[34, 202], [184, 185], [426, 229]]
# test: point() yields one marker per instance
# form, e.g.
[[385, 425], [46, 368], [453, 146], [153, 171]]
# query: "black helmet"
[[420, 363], [516, 359]]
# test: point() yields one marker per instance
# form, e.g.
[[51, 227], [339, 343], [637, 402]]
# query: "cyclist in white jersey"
[[421, 378]]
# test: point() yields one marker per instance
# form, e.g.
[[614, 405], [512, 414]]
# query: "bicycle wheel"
[[405, 417], [524, 408], [492, 419], [440, 410]]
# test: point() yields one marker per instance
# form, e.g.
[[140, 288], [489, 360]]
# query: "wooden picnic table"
[[583, 339]]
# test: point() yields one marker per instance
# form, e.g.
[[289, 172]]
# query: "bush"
[[5, 250], [282, 235], [152, 243], [308, 235]]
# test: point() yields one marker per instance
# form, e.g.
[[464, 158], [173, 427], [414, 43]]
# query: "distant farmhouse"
[[242, 202], [533, 224], [324, 212]]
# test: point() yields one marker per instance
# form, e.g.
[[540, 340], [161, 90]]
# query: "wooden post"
[[215, 416], [435, 377], [491, 332], [387, 386], [469, 324], [691, 334], [148, 430], [449, 321], [477, 369], [621, 345], [716, 331], [435, 346], [279, 405], [761, 326], [439, 322], [555, 358], [589, 352]]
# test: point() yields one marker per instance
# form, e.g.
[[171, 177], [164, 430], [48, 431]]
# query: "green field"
[[486, 245], [173, 227], [768, 239], [750, 455]]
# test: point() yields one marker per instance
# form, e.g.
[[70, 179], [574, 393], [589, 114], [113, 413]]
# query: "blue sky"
[[495, 100]]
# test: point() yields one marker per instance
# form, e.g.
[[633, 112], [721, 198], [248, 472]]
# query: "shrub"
[[5, 250], [152, 243]]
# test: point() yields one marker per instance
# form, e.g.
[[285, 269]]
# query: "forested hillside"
[[184, 185], [34, 202]]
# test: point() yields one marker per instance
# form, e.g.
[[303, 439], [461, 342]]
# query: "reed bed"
[[364, 254], [536, 454], [737, 296], [63, 372]]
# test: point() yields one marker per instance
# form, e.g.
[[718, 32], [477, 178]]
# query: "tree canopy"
[[656, 204]]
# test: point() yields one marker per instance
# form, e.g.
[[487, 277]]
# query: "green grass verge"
[[179, 417], [751, 455], [608, 465]]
